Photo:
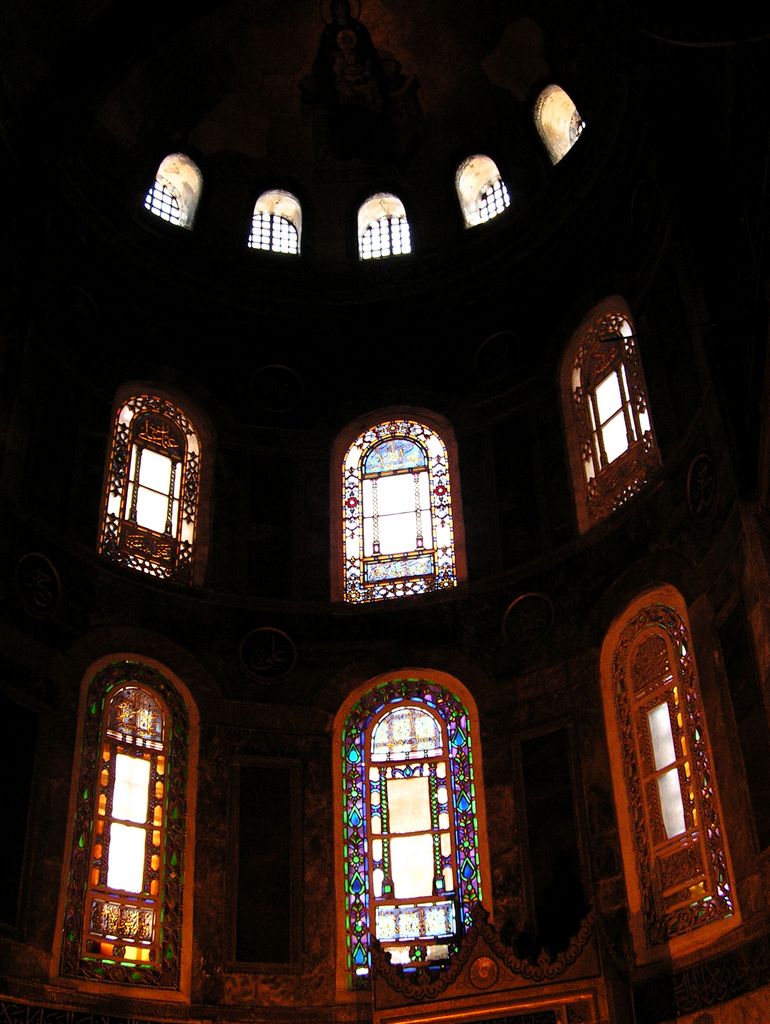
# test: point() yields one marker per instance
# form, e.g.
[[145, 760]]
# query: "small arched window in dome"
[[383, 229], [558, 121], [480, 189], [276, 225], [175, 193]]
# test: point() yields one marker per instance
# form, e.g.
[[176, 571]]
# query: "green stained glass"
[[403, 743]]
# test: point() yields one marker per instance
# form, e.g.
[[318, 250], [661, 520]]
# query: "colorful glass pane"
[[407, 748], [393, 455], [398, 536], [123, 915]]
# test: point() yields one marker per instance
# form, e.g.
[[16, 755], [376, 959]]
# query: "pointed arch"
[[410, 840], [675, 854], [175, 193], [610, 438], [481, 190], [383, 229], [557, 121]]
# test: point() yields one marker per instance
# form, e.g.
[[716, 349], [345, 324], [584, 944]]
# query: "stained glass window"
[[608, 411], [151, 501], [410, 825], [480, 189], [668, 775], [398, 536], [277, 223], [175, 192], [558, 122], [383, 229], [123, 918]]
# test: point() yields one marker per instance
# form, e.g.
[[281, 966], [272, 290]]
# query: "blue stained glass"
[[354, 818], [459, 739], [359, 956], [460, 778], [394, 454], [354, 755], [396, 568]]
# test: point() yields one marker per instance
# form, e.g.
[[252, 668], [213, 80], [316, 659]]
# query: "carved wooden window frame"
[[678, 883], [606, 345], [87, 952], [146, 421]]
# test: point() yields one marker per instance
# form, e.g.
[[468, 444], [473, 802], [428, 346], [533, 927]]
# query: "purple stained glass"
[[361, 778]]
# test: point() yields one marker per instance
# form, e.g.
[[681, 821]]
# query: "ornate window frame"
[[677, 867], [360, 576], [604, 351], [99, 924], [357, 791], [146, 419]]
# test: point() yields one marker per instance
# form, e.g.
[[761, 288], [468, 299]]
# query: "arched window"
[[152, 486], [409, 856], [174, 194], [675, 858], [383, 229], [277, 223], [609, 431], [480, 189], [398, 536], [124, 897], [558, 121]]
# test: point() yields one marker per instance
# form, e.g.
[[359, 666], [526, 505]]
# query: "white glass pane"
[[377, 879], [405, 733], [155, 471], [132, 781], [125, 868], [615, 437], [151, 510], [408, 805], [396, 493], [608, 398], [661, 736], [644, 421], [411, 861], [671, 805], [398, 533]]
